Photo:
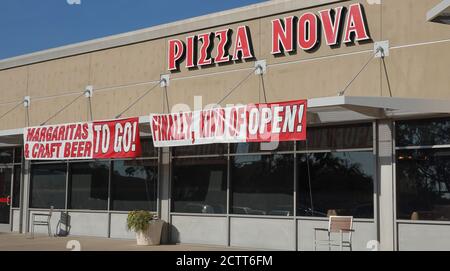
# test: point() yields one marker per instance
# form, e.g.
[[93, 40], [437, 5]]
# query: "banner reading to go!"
[[87, 140]]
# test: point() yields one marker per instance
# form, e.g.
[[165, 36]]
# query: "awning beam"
[[332, 109], [440, 13]]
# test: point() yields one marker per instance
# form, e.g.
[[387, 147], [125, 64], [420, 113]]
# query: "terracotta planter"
[[151, 237]]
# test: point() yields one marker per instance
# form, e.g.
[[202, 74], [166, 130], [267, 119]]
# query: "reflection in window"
[[18, 154], [423, 132], [423, 184], [6, 156], [16, 186], [148, 149], [48, 186], [339, 137], [88, 186], [134, 185], [244, 148], [208, 149], [262, 185], [341, 184], [5, 192], [199, 185]]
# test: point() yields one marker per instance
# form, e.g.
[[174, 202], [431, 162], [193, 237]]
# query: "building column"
[[25, 197], [164, 193], [386, 186]]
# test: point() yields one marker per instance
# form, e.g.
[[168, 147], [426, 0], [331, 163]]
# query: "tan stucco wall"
[[418, 66]]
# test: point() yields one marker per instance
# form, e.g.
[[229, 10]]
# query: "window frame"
[[396, 149], [374, 184], [110, 185], [69, 184], [13, 165], [295, 152], [172, 164], [413, 119], [109, 210], [31, 186], [282, 153]]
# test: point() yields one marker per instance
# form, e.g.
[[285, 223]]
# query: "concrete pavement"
[[19, 242]]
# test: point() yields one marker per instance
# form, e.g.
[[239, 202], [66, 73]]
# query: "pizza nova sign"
[[289, 34]]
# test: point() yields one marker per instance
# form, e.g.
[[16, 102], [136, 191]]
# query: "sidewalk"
[[18, 242]]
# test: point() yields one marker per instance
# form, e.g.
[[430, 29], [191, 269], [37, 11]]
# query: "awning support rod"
[[62, 109], [138, 99], [237, 85], [342, 93], [11, 110]]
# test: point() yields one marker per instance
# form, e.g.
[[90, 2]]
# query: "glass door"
[[5, 197]]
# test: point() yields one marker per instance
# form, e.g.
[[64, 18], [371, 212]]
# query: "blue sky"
[[31, 25]]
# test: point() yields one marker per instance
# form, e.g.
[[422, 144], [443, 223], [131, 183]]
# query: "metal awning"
[[11, 137], [326, 110], [440, 13], [354, 108]]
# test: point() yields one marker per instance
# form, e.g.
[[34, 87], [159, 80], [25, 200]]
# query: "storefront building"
[[376, 77]]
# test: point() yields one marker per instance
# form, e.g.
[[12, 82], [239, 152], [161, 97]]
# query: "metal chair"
[[41, 219], [343, 225]]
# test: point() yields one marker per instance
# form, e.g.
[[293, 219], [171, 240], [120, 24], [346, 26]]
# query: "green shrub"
[[139, 220]]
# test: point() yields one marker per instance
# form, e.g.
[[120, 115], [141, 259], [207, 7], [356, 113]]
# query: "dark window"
[[5, 193], [134, 185], [243, 148], [6, 156], [144, 128], [262, 185], [341, 184], [16, 186], [209, 149], [18, 154], [338, 137], [48, 186], [148, 149], [199, 185], [423, 132], [423, 184], [88, 186]]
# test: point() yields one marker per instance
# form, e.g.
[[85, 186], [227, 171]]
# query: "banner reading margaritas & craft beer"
[[87, 140], [284, 121]]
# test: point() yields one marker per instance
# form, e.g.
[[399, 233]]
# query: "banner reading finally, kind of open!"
[[87, 140], [284, 121]]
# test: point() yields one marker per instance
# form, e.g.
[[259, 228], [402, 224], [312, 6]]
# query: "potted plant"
[[147, 226]]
